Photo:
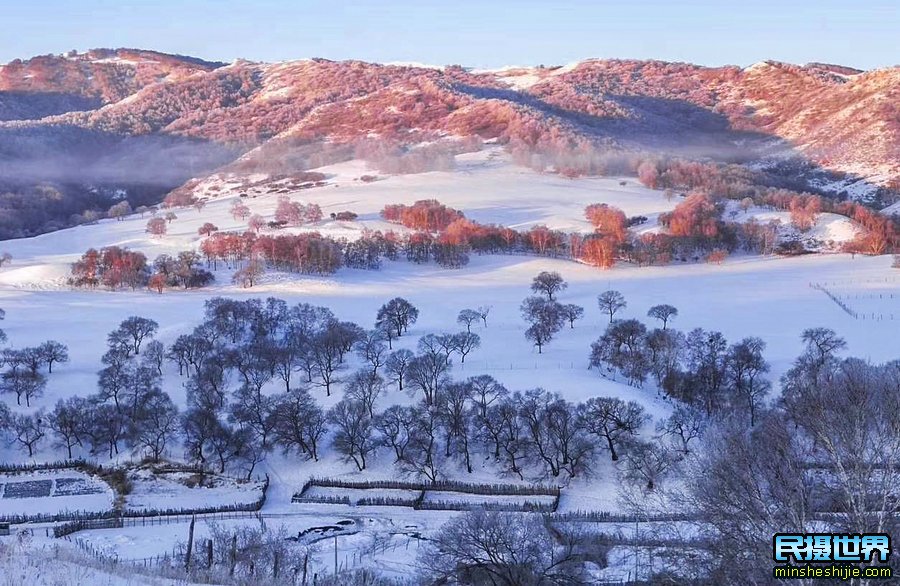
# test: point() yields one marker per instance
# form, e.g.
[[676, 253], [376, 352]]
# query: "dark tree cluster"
[[23, 375], [128, 410], [458, 422], [233, 419], [483, 547], [546, 316], [182, 271], [367, 251], [835, 433], [698, 368], [243, 349], [532, 434]]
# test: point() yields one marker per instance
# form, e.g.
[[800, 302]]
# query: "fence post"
[[190, 545]]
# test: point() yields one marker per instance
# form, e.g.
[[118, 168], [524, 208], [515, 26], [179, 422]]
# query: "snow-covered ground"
[[767, 297], [355, 494], [24, 562], [180, 490], [49, 492]]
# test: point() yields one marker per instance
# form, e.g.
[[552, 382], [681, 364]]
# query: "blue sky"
[[861, 33]]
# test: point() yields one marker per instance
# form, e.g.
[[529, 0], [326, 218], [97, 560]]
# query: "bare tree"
[[347, 335], [509, 434], [137, 328], [5, 418], [12, 358], [706, 354], [850, 417], [114, 379], [483, 312], [822, 343], [372, 349], [622, 348], [396, 426], [556, 433], [23, 383], [482, 547], [250, 273], [52, 351], [686, 424], [397, 364], [354, 435], [190, 350], [119, 210], [546, 320], [547, 283], [611, 302], [423, 456], [154, 355], [458, 419], [428, 373], [398, 314], [326, 352], [29, 430], [745, 495], [32, 357], [253, 411], [746, 368], [572, 313], [364, 387], [300, 423], [68, 421], [463, 343], [467, 317], [156, 227], [648, 463], [665, 351], [248, 450], [107, 429], [206, 437], [612, 420], [437, 346], [485, 390], [664, 313], [155, 425]]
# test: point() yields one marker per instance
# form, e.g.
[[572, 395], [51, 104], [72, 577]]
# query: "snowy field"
[[768, 297], [50, 492], [476, 500], [356, 494], [179, 490]]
